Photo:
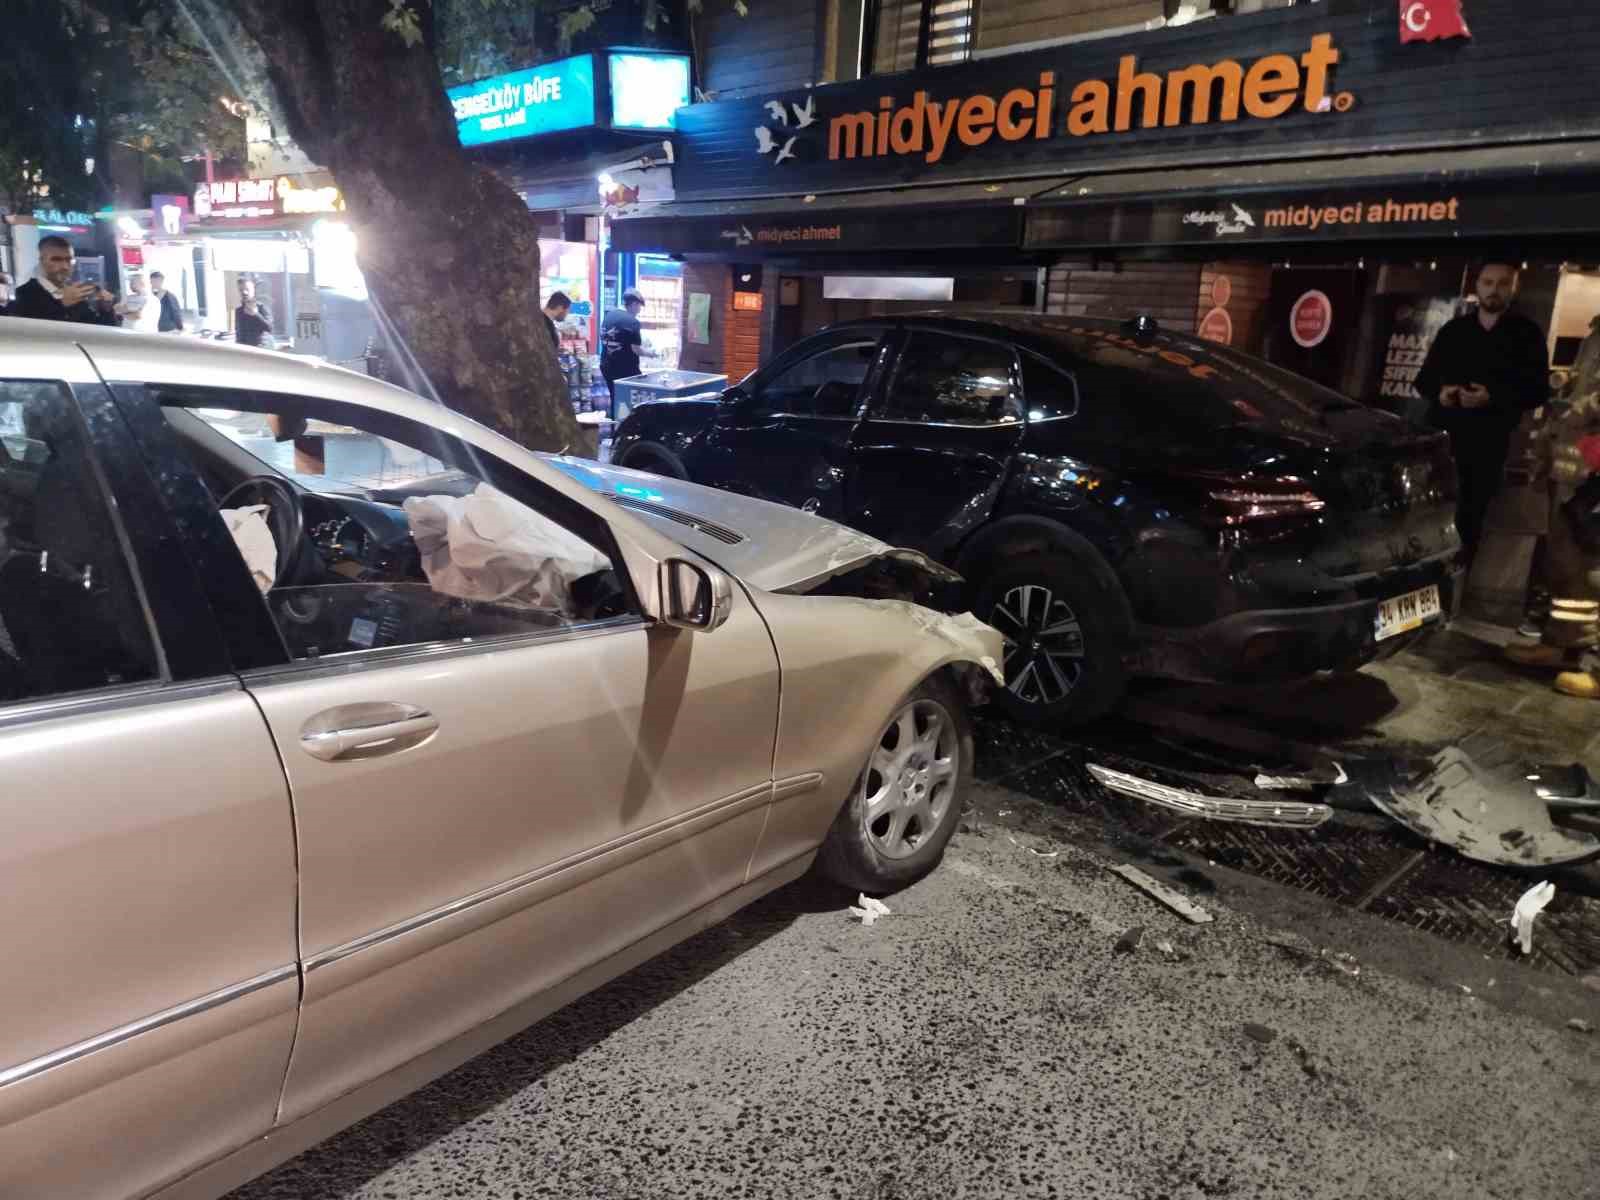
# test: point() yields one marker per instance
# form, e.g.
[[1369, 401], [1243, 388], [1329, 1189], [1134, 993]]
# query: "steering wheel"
[[285, 518]]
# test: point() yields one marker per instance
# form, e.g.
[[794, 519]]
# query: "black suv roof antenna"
[[1143, 327]]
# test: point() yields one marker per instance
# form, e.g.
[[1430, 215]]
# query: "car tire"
[[656, 459], [907, 801], [1064, 654]]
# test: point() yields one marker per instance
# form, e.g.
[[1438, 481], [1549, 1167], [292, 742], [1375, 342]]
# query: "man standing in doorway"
[[252, 320], [170, 319], [51, 295], [620, 338], [555, 311], [1484, 370]]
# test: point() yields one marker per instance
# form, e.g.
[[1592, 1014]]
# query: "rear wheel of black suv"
[[1063, 659]]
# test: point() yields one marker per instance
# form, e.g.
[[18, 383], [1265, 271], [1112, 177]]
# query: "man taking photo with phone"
[[1483, 371], [53, 295]]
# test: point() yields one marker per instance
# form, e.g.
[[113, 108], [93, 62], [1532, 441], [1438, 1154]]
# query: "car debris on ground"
[[1176, 901], [867, 909], [1529, 905]]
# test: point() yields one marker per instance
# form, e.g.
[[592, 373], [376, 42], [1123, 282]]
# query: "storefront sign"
[[56, 219], [1217, 326], [254, 199], [822, 232], [1323, 79], [1311, 319], [1430, 20], [170, 214], [747, 302], [547, 99], [1473, 207], [700, 318]]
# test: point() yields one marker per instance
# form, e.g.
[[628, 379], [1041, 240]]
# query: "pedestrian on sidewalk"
[[621, 335], [252, 320], [555, 311], [170, 317], [1483, 371], [52, 295]]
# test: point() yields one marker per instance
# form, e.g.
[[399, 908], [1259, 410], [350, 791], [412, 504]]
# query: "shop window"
[[70, 618], [943, 380], [904, 35]]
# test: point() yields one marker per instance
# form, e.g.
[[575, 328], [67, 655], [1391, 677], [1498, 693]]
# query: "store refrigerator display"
[[660, 282]]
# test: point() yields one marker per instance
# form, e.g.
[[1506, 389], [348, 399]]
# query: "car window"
[[412, 541], [1047, 391], [70, 615], [328, 457], [827, 384], [954, 381]]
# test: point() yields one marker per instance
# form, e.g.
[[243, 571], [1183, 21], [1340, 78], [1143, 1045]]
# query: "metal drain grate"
[[1385, 871]]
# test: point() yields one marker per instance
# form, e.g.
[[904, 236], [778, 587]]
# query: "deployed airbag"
[[253, 536], [488, 547]]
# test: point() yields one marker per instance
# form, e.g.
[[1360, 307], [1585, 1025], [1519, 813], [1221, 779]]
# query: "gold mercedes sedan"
[[342, 738]]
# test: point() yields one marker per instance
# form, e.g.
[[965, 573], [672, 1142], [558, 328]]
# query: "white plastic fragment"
[[867, 910], [1530, 905], [1180, 904], [253, 535]]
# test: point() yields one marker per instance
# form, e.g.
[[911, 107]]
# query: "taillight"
[[1247, 499]]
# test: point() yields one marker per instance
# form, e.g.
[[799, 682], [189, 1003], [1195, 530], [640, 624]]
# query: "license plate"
[[1408, 612]]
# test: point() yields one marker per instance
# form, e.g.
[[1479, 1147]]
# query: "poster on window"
[[699, 319], [1407, 325]]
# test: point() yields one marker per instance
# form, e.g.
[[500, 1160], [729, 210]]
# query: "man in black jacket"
[[171, 319], [53, 296], [1483, 371]]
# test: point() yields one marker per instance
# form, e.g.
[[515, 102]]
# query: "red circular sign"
[[1311, 319], [1217, 326], [1221, 291]]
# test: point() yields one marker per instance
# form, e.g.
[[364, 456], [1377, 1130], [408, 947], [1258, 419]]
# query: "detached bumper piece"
[[1481, 807], [1278, 814]]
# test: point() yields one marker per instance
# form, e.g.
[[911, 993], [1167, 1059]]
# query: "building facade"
[[1306, 181]]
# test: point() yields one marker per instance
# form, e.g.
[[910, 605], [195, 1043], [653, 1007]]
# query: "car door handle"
[[357, 731]]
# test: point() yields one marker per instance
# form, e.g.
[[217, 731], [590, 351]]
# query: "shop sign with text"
[[546, 99], [1245, 87], [255, 199], [1467, 208], [999, 226]]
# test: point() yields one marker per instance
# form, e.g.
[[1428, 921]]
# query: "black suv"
[[1122, 500]]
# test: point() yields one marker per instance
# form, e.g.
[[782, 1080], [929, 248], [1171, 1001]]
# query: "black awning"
[[958, 217], [1530, 189]]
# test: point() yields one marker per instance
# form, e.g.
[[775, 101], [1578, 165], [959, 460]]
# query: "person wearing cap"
[[621, 335]]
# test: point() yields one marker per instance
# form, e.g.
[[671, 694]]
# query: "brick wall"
[[1168, 292]]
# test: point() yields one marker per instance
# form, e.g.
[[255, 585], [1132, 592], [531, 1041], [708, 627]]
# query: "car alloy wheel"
[[910, 780], [1044, 644]]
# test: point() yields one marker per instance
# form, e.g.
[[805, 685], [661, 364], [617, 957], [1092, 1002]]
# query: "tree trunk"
[[449, 252]]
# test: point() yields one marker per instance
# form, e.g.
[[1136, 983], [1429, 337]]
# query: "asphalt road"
[[989, 1039]]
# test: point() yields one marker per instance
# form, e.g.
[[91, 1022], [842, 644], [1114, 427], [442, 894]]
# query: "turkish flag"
[[1430, 20]]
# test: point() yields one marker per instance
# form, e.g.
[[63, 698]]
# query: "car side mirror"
[[735, 397], [694, 597]]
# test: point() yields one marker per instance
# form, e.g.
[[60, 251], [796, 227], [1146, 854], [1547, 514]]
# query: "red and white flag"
[[1430, 20]]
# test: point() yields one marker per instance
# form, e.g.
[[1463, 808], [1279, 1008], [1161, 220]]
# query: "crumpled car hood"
[[770, 546]]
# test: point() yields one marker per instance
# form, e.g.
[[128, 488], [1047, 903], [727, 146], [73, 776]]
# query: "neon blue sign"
[[547, 99]]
